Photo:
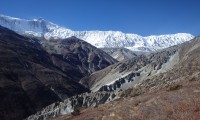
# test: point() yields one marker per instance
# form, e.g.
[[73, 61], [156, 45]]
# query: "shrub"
[[193, 79], [76, 112], [174, 87]]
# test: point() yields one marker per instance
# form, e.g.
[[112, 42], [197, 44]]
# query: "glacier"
[[112, 39]]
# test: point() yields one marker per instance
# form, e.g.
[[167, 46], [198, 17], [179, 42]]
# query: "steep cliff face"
[[48, 30]]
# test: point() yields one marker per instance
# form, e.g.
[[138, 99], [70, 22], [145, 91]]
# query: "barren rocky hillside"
[[76, 57], [33, 76], [171, 94], [132, 70], [122, 53]]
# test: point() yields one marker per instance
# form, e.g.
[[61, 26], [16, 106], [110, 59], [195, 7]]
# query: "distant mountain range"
[[110, 39]]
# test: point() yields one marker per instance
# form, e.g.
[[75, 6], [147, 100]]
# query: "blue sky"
[[143, 17]]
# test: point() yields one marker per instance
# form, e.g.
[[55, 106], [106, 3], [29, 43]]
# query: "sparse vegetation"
[[169, 95], [76, 112], [174, 87], [131, 92], [192, 79]]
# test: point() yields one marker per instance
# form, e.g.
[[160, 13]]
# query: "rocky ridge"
[[71, 104]]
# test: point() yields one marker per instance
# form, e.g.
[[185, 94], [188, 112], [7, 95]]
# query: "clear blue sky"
[[143, 17]]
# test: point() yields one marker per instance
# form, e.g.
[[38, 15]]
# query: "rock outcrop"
[[121, 82], [73, 103]]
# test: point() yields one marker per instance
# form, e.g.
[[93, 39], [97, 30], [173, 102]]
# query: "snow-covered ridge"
[[48, 30]]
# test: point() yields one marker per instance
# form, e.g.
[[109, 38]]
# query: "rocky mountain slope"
[[33, 76], [29, 80], [76, 57], [157, 80], [48, 30], [170, 93], [73, 104], [121, 53], [131, 71]]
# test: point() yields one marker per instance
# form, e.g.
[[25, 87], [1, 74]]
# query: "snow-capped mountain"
[[48, 30]]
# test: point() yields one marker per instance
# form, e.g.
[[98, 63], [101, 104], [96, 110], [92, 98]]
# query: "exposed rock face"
[[187, 67], [118, 84], [121, 53], [145, 65], [70, 104]]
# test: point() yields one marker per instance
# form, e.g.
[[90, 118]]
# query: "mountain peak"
[[39, 19], [8, 17]]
